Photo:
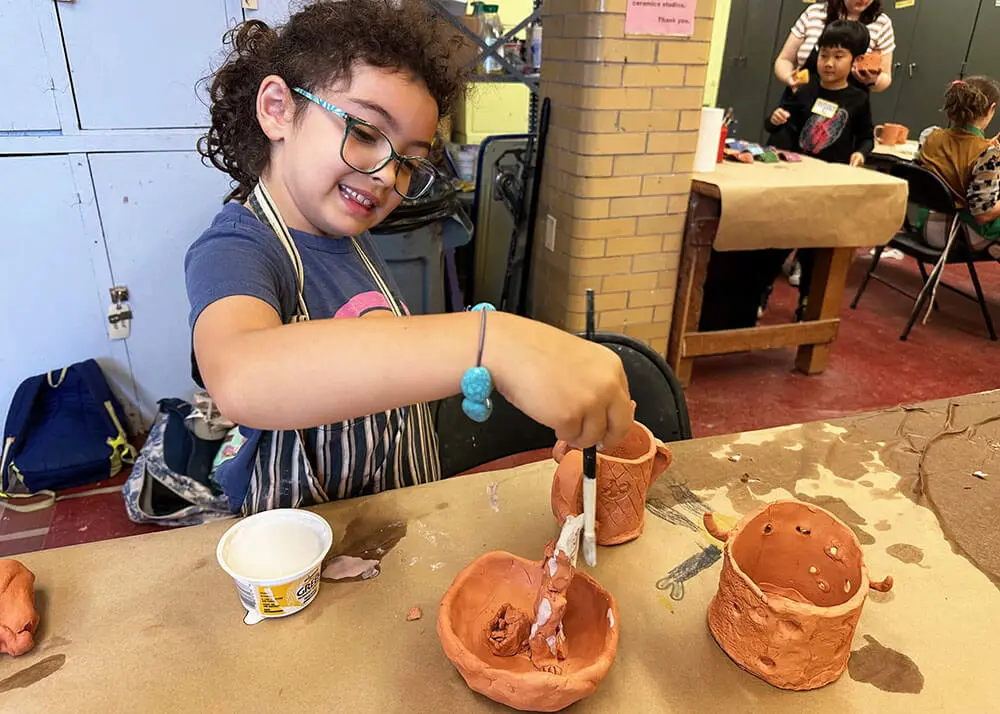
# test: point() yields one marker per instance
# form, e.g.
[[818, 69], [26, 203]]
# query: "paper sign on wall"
[[660, 17], [900, 4]]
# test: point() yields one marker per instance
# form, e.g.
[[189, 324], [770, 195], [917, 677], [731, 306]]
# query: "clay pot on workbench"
[[624, 474], [497, 578], [790, 595]]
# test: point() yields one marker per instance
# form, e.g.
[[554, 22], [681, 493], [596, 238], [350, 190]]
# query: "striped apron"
[[357, 457]]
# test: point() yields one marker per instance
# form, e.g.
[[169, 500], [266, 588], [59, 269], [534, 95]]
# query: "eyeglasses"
[[367, 150]]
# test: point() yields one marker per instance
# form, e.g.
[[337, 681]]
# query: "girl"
[[966, 160], [299, 333], [799, 49]]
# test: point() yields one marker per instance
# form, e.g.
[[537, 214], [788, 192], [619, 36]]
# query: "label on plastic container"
[[281, 599]]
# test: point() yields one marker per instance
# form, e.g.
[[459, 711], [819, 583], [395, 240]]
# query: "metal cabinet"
[[54, 289], [27, 101], [984, 49], [904, 25], [100, 184], [273, 12], [153, 206], [932, 58], [748, 63], [134, 65]]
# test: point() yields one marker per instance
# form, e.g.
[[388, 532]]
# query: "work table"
[[152, 623]]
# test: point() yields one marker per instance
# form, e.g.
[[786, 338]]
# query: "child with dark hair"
[[966, 160], [829, 118], [299, 334]]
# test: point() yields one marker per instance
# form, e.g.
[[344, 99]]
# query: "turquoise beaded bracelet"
[[477, 384]]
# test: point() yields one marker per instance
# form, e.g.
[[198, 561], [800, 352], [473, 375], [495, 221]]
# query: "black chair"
[[660, 405], [930, 192]]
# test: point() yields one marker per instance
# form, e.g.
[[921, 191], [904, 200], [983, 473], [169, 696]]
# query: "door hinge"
[[119, 314]]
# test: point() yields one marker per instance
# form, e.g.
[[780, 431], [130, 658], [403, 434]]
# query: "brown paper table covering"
[[152, 624], [811, 204], [905, 152]]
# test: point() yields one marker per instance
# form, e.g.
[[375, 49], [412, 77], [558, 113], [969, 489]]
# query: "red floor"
[[869, 369]]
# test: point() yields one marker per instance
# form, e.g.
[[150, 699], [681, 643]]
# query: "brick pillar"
[[622, 135]]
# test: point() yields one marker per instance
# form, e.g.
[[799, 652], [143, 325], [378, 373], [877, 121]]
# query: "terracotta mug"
[[891, 134], [870, 62], [790, 594], [624, 474]]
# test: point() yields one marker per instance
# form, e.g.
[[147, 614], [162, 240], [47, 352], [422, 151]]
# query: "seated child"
[[966, 160], [829, 118]]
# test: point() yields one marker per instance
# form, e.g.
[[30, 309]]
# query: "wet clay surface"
[[934, 448], [368, 541], [800, 553], [36, 672], [841, 510], [906, 553], [885, 668]]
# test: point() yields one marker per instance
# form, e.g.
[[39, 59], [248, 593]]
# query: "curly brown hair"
[[968, 100], [319, 47]]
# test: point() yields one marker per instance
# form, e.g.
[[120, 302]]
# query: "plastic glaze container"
[[275, 558]]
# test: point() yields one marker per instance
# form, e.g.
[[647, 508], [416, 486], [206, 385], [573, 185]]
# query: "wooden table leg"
[[699, 233], [826, 293]]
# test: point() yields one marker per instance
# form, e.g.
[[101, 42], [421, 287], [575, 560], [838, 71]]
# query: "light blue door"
[[134, 65], [153, 206], [273, 12], [26, 91], [53, 308]]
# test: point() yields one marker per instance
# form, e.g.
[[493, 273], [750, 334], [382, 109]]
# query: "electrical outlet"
[[550, 232]]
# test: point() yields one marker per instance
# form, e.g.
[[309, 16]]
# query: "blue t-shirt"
[[240, 255]]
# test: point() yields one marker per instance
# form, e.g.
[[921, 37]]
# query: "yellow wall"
[[513, 11], [715, 59]]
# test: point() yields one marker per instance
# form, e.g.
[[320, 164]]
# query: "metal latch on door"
[[119, 314]]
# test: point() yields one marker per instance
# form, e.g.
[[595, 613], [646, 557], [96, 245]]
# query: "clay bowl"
[[591, 626], [790, 594]]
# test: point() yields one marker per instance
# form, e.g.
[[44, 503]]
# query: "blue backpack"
[[64, 429]]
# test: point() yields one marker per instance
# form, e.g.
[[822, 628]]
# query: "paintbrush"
[[590, 471]]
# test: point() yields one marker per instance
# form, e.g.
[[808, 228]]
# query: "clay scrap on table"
[[790, 595], [18, 617], [624, 475]]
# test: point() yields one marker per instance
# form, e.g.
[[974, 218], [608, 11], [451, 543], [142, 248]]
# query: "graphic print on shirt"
[[820, 133], [366, 302]]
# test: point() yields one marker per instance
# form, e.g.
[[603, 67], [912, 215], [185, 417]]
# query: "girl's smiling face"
[[856, 7], [315, 189]]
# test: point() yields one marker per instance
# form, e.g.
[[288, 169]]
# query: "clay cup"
[[624, 474], [891, 134], [495, 578], [790, 595]]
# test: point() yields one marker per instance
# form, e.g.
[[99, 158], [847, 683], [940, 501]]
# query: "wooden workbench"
[[152, 624], [812, 204]]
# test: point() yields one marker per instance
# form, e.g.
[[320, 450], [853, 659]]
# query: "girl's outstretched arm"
[[267, 375]]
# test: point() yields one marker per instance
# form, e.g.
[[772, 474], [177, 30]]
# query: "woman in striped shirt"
[[799, 49]]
